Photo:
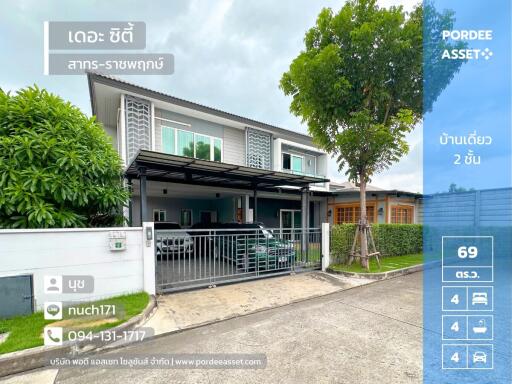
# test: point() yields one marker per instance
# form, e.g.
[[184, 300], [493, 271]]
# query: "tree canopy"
[[58, 167], [358, 84]]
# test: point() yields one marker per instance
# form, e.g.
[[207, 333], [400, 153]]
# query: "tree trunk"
[[363, 221]]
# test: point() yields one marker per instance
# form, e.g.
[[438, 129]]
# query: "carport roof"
[[179, 169]]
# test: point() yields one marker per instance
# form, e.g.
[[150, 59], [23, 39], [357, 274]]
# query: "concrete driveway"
[[184, 310], [368, 334]]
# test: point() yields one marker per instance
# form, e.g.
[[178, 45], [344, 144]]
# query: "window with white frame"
[[159, 215], [186, 218], [185, 143], [292, 163]]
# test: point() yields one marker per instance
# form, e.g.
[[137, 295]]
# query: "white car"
[[171, 240]]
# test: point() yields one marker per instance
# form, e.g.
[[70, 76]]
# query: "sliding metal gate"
[[197, 258]]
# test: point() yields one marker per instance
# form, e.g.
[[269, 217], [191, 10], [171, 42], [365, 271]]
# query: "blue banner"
[[467, 169]]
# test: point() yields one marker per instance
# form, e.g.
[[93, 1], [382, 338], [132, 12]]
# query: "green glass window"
[[203, 147], [297, 163], [217, 149], [185, 143], [168, 140], [186, 218]]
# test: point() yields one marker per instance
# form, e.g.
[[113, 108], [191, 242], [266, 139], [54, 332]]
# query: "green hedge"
[[390, 240]]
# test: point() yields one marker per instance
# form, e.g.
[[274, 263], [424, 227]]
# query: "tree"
[[454, 189], [58, 167], [358, 85]]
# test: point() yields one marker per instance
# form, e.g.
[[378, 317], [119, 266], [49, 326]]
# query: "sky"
[[477, 101], [229, 54]]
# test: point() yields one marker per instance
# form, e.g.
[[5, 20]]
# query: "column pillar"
[[130, 204], [143, 195], [304, 221], [255, 210], [245, 208]]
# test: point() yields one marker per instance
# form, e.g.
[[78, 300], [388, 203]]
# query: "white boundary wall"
[[40, 252]]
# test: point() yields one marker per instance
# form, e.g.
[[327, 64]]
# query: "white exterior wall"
[[234, 146], [40, 252], [320, 159]]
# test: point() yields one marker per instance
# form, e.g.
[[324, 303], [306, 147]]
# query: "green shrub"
[[58, 167], [390, 240], [342, 236]]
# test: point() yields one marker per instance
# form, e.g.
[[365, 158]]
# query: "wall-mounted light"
[[381, 211], [329, 213], [165, 191]]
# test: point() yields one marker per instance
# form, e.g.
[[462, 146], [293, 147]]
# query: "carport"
[[193, 258], [156, 166]]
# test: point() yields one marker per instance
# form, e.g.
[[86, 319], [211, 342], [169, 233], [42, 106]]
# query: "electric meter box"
[[117, 240]]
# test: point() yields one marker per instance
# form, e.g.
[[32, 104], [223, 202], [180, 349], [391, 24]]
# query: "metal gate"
[[197, 258], [17, 296]]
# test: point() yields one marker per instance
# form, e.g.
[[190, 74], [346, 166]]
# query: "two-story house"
[[188, 163]]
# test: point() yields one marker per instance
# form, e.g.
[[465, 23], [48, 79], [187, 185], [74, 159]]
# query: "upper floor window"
[[185, 143], [294, 163]]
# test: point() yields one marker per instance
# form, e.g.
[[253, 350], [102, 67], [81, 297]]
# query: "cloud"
[[229, 54]]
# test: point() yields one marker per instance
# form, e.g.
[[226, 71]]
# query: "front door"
[[208, 217], [291, 219]]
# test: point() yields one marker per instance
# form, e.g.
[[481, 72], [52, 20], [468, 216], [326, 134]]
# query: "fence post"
[[148, 257], [326, 256]]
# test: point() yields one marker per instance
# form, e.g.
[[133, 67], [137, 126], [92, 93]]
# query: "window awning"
[[179, 169]]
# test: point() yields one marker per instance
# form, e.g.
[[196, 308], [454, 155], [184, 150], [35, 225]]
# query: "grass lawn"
[[313, 254], [386, 264], [27, 331]]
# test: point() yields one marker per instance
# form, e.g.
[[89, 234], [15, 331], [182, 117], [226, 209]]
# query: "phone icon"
[[52, 336]]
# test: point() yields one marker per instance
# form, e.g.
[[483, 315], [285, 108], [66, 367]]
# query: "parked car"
[[171, 240], [205, 236], [254, 247]]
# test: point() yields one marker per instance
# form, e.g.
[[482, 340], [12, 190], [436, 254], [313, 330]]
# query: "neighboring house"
[[382, 206], [189, 163]]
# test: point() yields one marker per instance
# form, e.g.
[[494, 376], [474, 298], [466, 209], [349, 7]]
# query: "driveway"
[[183, 310], [368, 334]]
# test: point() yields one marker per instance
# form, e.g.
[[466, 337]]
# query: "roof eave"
[[129, 87]]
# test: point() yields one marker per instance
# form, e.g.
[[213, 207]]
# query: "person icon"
[[53, 287], [53, 284]]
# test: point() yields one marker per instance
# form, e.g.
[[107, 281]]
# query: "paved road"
[[369, 334]]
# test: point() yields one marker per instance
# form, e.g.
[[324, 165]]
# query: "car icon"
[[479, 357], [479, 298]]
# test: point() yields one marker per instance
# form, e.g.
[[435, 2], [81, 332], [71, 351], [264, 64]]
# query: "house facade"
[[288, 185], [382, 206], [192, 164]]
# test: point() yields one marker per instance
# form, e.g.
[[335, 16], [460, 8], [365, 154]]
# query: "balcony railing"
[[306, 174]]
